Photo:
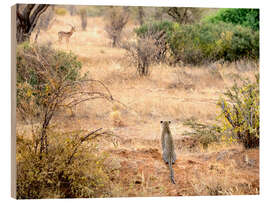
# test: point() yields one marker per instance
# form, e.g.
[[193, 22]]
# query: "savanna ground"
[[169, 93]]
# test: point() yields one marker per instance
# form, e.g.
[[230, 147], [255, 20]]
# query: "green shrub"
[[40, 72], [54, 164], [239, 120], [49, 80], [241, 114], [237, 16], [153, 28], [203, 42], [207, 42], [160, 33]]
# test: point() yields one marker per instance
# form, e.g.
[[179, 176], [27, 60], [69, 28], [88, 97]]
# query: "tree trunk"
[[141, 15], [26, 20], [21, 33]]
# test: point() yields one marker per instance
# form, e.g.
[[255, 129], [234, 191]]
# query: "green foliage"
[[159, 33], [153, 28], [241, 114], [239, 120], [54, 176], [41, 71], [237, 16], [207, 42], [54, 164]]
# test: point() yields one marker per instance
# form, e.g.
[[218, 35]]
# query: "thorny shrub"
[[240, 113], [239, 120], [142, 53], [48, 80], [159, 32], [72, 169]]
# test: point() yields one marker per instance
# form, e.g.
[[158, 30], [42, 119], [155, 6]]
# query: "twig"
[[82, 140]]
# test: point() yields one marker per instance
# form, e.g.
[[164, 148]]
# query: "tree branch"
[[19, 15], [82, 140], [27, 10], [34, 17]]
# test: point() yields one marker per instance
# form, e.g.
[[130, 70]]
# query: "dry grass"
[[169, 93]]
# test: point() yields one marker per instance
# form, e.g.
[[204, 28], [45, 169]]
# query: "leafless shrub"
[[161, 44], [116, 19], [184, 15], [160, 37], [182, 79], [143, 52]]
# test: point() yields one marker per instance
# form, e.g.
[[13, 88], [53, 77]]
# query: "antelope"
[[66, 35]]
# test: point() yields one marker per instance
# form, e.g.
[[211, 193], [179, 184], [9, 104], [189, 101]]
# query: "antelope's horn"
[[71, 25]]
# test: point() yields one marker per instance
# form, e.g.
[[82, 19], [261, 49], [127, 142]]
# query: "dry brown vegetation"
[[168, 93]]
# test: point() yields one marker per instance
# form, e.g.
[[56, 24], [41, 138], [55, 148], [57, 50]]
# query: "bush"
[[239, 120], [203, 133], [207, 42], [160, 33], [142, 54], [202, 43], [240, 16], [241, 114], [185, 15], [40, 70], [55, 176], [48, 80], [153, 28]]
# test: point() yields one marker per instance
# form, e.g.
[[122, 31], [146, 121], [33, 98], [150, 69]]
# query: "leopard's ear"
[[161, 121]]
